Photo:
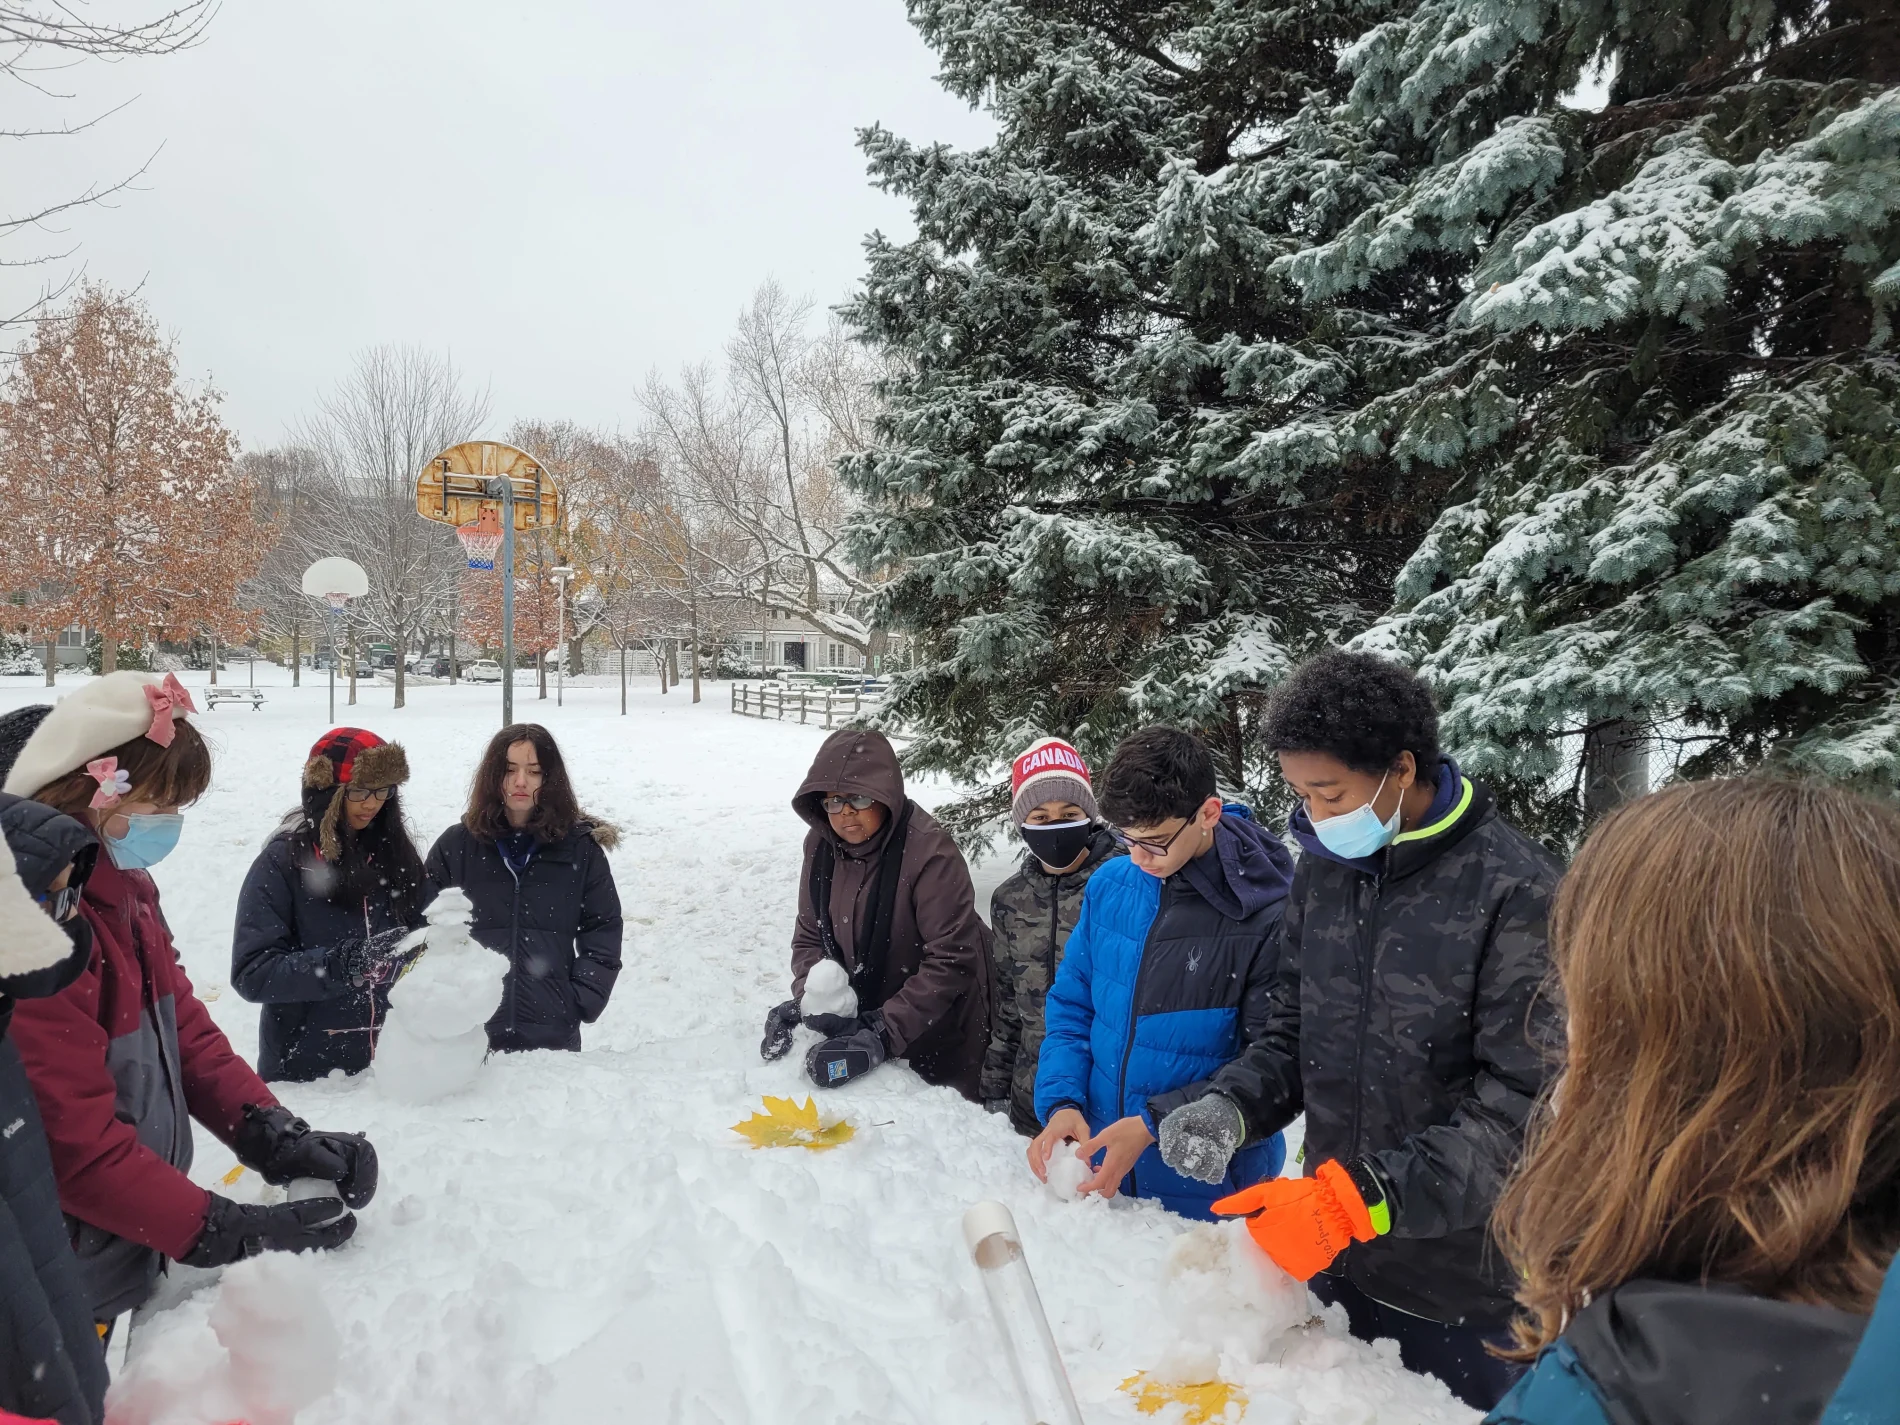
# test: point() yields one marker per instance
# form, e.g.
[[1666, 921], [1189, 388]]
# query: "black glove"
[[848, 1056], [996, 1105], [1199, 1139], [234, 1230], [779, 1025], [832, 1025], [350, 963], [282, 1146]]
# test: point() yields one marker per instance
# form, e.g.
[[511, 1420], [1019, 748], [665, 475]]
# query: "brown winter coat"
[[935, 991]]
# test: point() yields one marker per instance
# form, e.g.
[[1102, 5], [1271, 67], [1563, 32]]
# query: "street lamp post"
[[559, 577]]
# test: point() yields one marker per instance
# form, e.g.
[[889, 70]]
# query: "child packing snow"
[[1167, 977], [123, 1059], [1052, 804], [322, 909], [1407, 1024], [1702, 1221]]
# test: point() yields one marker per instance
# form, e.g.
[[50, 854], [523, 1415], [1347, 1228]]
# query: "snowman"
[[434, 1041]]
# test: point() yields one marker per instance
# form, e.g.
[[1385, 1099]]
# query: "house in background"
[[69, 649]]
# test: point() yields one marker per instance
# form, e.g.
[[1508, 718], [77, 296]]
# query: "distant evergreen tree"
[[1127, 475], [1682, 519]]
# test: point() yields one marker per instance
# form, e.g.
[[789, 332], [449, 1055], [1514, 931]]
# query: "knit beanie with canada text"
[[347, 757], [1050, 771]]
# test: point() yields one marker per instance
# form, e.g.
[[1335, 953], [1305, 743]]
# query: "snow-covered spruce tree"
[[1688, 530], [1127, 475]]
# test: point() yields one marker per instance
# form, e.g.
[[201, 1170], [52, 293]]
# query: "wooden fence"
[[829, 707]]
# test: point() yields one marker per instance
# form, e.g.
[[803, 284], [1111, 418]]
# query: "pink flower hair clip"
[[113, 782]]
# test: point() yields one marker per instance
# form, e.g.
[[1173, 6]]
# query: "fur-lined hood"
[[606, 835]]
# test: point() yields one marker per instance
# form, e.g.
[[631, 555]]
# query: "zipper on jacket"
[[1368, 935], [514, 944], [1134, 1017], [1055, 918]]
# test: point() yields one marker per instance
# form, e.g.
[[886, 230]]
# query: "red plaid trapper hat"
[[349, 757]]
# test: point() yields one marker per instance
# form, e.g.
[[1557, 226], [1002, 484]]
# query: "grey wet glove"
[[849, 1056], [1199, 1139]]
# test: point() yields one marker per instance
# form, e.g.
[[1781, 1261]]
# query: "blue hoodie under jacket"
[[1161, 983]]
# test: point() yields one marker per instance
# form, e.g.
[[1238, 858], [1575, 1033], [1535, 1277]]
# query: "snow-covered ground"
[[580, 1238]]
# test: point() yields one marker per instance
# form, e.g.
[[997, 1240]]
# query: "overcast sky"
[[562, 194]]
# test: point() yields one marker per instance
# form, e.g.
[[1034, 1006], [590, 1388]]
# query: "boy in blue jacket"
[[1167, 976]]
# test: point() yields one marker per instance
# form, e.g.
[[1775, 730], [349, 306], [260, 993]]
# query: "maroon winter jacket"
[[935, 990], [121, 1061]]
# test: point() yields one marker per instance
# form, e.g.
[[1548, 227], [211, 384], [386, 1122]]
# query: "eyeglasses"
[[368, 794], [834, 805], [1153, 848], [61, 904]]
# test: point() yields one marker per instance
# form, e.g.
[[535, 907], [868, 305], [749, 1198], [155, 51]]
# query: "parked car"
[[483, 670], [435, 667]]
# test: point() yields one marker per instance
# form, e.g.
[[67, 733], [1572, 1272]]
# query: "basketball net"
[[481, 540], [336, 601]]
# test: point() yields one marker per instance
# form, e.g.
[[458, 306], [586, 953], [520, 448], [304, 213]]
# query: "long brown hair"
[[555, 810], [1730, 1111], [176, 775]]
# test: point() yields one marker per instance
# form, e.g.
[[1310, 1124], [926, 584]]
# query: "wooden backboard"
[[452, 488]]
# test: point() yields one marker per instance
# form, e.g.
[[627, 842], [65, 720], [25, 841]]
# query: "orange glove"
[[1303, 1223]]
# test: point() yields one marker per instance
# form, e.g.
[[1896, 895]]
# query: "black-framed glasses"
[[61, 904], [1153, 848], [368, 794], [835, 804]]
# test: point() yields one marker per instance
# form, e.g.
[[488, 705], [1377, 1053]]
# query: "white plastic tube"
[[1042, 1385]]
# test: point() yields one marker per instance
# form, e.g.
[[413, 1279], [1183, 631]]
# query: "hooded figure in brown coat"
[[899, 913]]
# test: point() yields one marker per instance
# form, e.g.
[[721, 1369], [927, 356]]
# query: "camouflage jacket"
[[1410, 1026], [1031, 915]]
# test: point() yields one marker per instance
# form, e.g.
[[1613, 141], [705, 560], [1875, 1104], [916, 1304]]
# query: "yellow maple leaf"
[[233, 1175], [784, 1124], [1203, 1404]]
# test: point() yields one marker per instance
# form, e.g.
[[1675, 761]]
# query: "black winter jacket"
[[284, 954], [51, 1366], [1411, 1024], [558, 923]]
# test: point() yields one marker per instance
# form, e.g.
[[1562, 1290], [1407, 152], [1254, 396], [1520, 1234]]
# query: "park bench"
[[253, 696]]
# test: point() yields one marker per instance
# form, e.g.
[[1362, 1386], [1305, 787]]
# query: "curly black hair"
[[1156, 773], [1356, 707]]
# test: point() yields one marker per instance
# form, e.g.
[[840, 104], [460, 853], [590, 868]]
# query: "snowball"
[[1068, 1170], [433, 1042], [828, 991]]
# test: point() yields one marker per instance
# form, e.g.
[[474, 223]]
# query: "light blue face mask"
[[1359, 833], [148, 840]]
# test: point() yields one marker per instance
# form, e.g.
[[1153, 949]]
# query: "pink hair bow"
[[113, 783], [167, 698]]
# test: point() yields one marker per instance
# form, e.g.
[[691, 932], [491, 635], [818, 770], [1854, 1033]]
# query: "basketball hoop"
[[481, 540], [336, 600]]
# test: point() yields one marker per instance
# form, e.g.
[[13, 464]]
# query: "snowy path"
[[580, 1239]]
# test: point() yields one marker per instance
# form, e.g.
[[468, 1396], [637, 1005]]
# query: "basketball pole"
[[507, 601]]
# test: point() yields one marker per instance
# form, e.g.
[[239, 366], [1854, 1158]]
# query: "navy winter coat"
[[557, 921], [51, 1366], [288, 941], [1158, 990]]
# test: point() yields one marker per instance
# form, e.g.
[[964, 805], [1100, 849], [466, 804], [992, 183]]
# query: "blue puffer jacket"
[[1157, 990]]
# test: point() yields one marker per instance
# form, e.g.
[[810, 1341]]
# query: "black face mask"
[[1061, 844]]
